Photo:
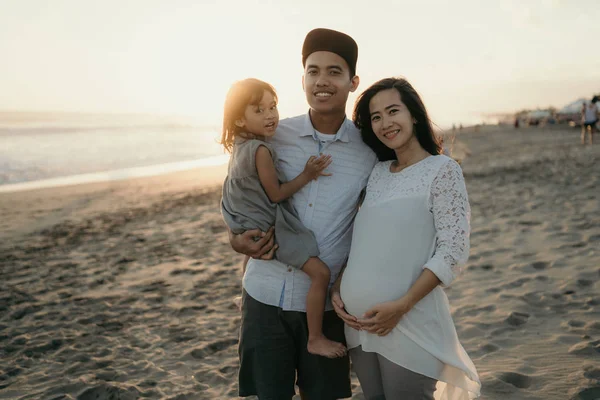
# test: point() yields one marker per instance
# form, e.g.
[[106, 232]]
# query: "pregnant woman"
[[410, 238]]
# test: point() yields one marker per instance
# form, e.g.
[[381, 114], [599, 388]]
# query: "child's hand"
[[315, 166]]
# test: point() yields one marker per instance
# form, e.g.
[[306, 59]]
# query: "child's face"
[[261, 119]]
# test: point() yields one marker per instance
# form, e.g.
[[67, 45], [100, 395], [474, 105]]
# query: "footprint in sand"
[[584, 282], [520, 381], [529, 223], [593, 326], [489, 348], [593, 301], [189, 271], [472, 312], [190, 310], [540, 265], [516, 283], [108, 392], [592, 372], [589, 348], [592, 393], [484, 267], [571, 245], [517, 318], [213, 348]]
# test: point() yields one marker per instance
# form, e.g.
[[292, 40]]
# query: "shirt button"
[[289, 269], [310, 205]]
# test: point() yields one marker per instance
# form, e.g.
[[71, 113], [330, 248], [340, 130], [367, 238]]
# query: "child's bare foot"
[[325, 347], [237, 301]]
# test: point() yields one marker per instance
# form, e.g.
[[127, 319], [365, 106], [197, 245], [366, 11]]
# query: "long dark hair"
[[423, 129], [240, 95]]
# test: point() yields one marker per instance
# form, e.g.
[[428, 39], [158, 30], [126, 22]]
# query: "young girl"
[[255, 195]]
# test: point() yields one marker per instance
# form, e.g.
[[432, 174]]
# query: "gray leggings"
[[381, 379]]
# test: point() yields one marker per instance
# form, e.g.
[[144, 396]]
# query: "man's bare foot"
[[325, 347]]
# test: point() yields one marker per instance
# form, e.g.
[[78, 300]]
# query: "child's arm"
[[277, 191]]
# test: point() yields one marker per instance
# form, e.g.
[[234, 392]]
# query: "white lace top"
[[413, 219], [439, 178]]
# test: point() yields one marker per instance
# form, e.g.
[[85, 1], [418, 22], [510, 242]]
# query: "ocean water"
[[53, 149]]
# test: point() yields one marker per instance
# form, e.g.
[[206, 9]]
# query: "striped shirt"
[[327, 206]]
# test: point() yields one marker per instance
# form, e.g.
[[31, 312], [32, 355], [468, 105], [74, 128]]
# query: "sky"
[[465, 57]]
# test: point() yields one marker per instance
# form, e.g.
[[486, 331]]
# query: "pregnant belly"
[[362, 289], [390, 245]]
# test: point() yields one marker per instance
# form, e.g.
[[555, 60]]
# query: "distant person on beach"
[[256, 194], [589, 119], [410, 238], [274, 330]]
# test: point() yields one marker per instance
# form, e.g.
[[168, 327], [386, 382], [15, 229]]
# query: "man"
[[274, 333]]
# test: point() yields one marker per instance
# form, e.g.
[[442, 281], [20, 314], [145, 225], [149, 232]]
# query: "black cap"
[[322, 39]]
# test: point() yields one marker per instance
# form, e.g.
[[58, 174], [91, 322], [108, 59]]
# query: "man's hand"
[[245, 243], [338, 306]]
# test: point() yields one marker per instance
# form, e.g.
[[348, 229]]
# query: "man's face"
[[327, 82]]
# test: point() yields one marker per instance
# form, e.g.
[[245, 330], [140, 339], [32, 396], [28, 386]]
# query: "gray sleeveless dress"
[[245, 205]]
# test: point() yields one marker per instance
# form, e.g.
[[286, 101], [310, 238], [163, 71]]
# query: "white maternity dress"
[[414, 219]]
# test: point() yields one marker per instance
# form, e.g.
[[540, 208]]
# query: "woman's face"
[[391, 121]]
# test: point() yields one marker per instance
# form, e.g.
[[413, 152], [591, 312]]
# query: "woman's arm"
[[451, 215], [278, 191]]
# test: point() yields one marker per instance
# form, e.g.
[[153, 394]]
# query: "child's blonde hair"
[[241, 94]]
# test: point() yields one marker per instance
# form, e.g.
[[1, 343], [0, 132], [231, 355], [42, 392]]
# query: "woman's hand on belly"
[[382, 318], [339, 308]]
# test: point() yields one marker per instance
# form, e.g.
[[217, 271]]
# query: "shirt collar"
[[309, 130]]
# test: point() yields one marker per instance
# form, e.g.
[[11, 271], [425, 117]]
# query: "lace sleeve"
[[451, 213]]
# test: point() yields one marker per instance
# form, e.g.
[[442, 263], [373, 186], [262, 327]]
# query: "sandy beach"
[[123, 290]]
